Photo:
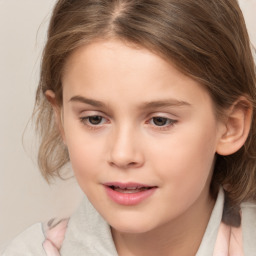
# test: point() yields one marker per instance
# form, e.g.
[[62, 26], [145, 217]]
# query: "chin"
[[131, 230], [132, 227]]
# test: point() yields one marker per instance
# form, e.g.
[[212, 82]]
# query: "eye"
[[93, 120], [162, 121]]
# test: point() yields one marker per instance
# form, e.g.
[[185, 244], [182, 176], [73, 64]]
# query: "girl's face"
[[141, 136]]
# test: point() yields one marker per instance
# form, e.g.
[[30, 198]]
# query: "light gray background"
[[25, 198]]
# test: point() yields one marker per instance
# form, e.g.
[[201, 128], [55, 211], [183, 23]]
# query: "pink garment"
[[228, 243], [54, 236]]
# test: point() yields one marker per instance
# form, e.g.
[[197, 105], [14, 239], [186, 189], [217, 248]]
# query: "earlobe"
[[238, 123], [50, 95]]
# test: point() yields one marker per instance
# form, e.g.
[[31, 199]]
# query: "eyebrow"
[[165, 103], [146, 105], [91, 102]]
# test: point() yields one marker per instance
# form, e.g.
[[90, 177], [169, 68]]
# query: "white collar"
[[89, 234]]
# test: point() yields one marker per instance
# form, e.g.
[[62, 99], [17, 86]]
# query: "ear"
[[50, 95], [237, 127]]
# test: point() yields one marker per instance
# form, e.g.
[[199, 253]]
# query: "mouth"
[[129, 194], [130, 189]]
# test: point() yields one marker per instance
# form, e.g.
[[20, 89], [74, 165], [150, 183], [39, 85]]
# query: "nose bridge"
[[125, 150]]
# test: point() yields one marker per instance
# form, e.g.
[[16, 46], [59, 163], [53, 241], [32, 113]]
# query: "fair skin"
[[128, 116]]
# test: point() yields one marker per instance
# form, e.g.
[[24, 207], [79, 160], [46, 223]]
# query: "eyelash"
[[170, 122]]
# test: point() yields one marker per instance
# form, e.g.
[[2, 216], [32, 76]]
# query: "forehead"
[[107, 69], [115, 54]]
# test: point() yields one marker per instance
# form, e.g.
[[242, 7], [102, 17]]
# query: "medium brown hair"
[[205, 39]]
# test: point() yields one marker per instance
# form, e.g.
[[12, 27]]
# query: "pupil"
[[160, 121], [95, 119]]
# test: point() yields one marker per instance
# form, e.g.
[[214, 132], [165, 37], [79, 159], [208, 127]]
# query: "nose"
[[126, 149]]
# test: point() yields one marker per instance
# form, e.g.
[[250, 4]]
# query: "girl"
[[153, 103]]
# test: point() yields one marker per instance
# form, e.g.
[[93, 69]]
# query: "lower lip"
[[129, 198]]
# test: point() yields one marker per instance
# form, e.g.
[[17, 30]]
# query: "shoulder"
[[27, 243], [248, 213], [249, 227], [249, 205]]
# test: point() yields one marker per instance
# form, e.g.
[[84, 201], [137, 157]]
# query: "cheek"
[[85, 164], [84, 152], [189, 157]]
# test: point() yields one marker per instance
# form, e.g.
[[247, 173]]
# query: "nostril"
[[125, 165], [132, 164]]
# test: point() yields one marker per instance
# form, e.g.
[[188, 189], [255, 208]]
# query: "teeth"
[[130, 189]]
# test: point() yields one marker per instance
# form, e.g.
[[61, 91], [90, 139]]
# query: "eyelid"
[[170, 116], [90, 112]]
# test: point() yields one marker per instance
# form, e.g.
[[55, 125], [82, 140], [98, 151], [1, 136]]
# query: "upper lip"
[[128, 185]]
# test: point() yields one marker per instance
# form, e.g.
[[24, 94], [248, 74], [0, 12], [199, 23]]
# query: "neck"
[[181, 236]]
